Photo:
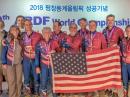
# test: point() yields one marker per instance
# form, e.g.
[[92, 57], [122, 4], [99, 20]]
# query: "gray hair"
[[71, 24], [46, 29], [110, 15], [94, 21]]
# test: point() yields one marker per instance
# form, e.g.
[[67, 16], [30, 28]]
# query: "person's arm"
[[5, 34], [4, 56], [121, 33], [37, 59], [103, 40], [6, 39], [123, 48]]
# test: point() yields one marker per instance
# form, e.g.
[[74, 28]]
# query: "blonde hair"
[[11, 35], [3, 24]]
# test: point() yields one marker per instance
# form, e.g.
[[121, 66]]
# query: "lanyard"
[[92, 36], [111, 32], [83, 33], [47, 47], [57, 36]]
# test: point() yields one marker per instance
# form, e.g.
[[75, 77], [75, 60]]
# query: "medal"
[[109, 36]]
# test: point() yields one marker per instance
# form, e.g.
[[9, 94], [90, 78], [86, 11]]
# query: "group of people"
[[25, 53]]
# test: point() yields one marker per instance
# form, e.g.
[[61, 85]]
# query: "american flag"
[[86, 72]]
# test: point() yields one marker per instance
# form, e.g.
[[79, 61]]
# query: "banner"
[[44, 12]]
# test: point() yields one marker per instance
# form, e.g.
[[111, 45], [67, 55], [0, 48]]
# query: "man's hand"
[[38, 70]]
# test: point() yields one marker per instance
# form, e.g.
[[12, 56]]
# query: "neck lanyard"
[[83, 33], [111, 32], [56, 36], [92, 36], [47, 47]]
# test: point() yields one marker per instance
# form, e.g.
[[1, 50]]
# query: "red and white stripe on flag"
[[103, 72]]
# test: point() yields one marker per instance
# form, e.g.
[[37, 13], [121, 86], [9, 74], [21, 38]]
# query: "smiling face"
[[73, 29], [56, 27], [46, 32], [28, 26], [83, 24], [92, 26], [14, 31], [110, 21]]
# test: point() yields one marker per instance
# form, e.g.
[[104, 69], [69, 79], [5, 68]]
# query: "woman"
[[11, 60], [3, 35]]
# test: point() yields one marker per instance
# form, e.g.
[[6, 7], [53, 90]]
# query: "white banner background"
[[41, 16]]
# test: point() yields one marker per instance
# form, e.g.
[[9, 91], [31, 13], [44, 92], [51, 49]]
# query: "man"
[[114, 36], [30, 39], [73, 40], [73, 45], [3, 35], [112, 33], [95, 41], [20, 22], [83, 32], [58, 35]]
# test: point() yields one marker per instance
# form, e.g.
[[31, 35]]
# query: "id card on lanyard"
[[109, 35], [92, 36], [47, 47], [82, 34]]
